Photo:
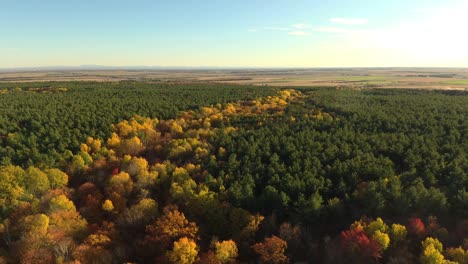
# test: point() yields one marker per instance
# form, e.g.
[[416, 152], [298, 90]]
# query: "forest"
[[39, 122], [127, 172]]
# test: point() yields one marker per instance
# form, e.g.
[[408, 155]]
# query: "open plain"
[[415, 78]]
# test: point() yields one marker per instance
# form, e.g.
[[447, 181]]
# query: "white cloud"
[[298, 33], [277, 28], [293, 30], [300, 26], [349, 21], [430, 36], [331, 29]]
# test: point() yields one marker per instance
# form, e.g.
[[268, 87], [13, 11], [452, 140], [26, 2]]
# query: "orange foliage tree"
[[171, 226], [271, 250]]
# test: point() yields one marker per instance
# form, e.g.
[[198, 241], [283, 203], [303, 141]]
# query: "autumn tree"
[[138, 214], [432, 251], [94, 250], [378, 230], [119, 188], [107, 206], [90, 200], [36, 181], [397, 233], [271, 250], [170, 227], [458, 254], [57, 178], [132, 146], [11, 187], [64, 217], [226, 251], [184, 251], [360, 245], [33, 245], [416, 226], [136, 166]]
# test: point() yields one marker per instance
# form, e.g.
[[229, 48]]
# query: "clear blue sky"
[[252, 33]]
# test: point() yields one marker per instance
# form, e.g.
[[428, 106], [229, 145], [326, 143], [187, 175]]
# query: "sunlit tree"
[[184, 251]]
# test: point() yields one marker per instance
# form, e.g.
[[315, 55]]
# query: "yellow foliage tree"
[[398, 233], [98, 239], [34, 225], [285, 94], [431, 255], [57, 178], [61, 203], [230, 109], [68, 222], [11, 188], [122, 183], [382, 238], [176, 128], [137, 166], [180, 174], [207, 111], [146, 180], [108, 206], [77, 164], [85, 148], [95, 145], [378, 224], [123, 128], [185, 251], [36, 181], [459, 255], [161, 169], [113, 142], [132, 146], [433, 241], [226, 251], [64, 217]]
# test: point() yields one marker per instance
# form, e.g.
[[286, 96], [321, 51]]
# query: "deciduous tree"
[[184, 251], [271, 250]]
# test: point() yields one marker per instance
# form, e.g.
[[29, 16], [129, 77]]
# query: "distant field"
[[415, 78], [457, 82], [363, 78]]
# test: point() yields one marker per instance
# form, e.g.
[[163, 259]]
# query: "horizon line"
[[106, 67]]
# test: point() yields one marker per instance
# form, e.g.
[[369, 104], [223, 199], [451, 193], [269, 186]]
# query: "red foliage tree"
[[90, 202], [115, 171], [416, 226], [357, 242]]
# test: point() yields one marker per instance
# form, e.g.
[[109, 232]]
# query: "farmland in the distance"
[[417, 78]]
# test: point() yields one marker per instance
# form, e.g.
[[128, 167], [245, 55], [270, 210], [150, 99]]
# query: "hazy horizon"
[[240, 34], [207, 68]]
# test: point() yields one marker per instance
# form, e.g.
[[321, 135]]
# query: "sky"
[[234, 33]]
